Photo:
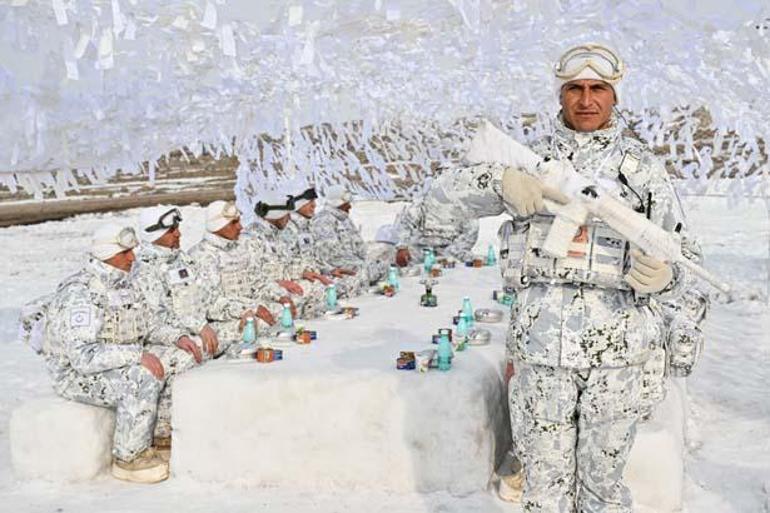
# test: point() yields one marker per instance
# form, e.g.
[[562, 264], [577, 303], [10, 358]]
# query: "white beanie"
[[386, 233], [219, 214], [273, 198], [601, 56], [111, 239], [337, 195], [301, 202], [149, 217]]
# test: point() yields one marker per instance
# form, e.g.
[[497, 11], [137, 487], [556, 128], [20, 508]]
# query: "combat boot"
[[511, 487], [147, 467], [162, 446]]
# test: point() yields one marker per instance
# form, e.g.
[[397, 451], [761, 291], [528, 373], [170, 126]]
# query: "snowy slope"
[[728, 465]]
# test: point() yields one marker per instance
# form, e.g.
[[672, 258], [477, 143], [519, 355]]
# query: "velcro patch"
[[80, 317]]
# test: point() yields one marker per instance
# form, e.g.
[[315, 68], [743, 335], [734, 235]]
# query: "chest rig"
[[124, 319], [597, 255]]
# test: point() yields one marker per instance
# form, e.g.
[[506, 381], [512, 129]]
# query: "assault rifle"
[[586, 201]]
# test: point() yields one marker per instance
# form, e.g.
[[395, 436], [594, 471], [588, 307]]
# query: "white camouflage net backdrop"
[[376, 93]]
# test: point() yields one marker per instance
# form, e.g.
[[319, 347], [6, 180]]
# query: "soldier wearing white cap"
[[228, 269], [97, 328], [338, 242], [285, 273], [172, 285]]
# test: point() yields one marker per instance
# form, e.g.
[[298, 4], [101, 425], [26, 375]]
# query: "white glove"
[[648, 275], [525, 193]]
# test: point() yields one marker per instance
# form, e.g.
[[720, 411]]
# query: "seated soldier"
[[280, 265], [436, 221], [227, 270], [381, 254], [338, 243], [97, 329], [299, 237]]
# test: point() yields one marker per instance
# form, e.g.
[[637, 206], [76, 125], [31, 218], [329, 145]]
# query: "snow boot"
[[511, 487], [162, 446], [147, 467]]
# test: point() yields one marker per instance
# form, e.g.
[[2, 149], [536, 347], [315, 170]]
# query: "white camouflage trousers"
[[175, 361], [573, 431], [133, 392]]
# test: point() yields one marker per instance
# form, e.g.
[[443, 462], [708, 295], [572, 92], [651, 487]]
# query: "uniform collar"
[[110, 276], [577, 140], [219, 242], [149, 252]]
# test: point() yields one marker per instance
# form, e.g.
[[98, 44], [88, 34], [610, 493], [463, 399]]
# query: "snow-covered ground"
[[728, 459]]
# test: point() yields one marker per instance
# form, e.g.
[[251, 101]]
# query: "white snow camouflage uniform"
[[96, 331], [271, 246], [338, 243], [580, 350], [229, 273], [172, 288], [439, 222]]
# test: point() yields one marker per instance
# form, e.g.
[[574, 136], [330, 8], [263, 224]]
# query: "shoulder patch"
[[80, 317]]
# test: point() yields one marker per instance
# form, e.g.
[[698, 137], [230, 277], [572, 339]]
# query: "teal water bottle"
[[461, 333], [249, 331], [468, 312], [491, 255], [393, 277], [444, 353], [331, 297], [287, 321]]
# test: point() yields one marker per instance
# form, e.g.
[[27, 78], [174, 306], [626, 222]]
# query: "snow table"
[[338, 414]]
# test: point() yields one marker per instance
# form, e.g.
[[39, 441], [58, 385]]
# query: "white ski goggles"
[[603, 61], [166, 221]]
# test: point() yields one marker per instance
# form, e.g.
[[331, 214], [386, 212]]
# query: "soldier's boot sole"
[[154, 474], [164, 453], [511, 488]]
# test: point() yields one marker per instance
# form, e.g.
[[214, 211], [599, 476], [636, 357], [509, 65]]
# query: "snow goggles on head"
[[166, 221], [127, 239], [308, 195], [262, 208], [597, 57]]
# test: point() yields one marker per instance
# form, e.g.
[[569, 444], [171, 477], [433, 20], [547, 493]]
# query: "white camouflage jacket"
[[438, 222], [578, 326], [171, 282], [269, 245], [99, 320], [338, 243]]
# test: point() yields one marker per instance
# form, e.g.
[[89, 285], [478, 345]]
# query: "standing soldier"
[[96, 333], [585, 326]]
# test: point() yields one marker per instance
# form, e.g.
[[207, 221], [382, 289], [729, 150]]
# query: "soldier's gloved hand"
[[264, 314], [403, 257], [185, 343], [525, 193], [648, 275], [210, 339], [292, 287], [152, 363]]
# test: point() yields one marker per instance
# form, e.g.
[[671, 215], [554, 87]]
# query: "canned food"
[[265, 355]]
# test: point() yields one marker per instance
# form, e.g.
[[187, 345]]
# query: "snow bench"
[[59, 440], [336, 414]]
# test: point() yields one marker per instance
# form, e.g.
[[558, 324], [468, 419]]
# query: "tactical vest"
[[597, 256], [124, 319]]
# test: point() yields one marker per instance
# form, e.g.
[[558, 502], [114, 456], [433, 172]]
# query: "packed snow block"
[[337, 414], [59, 440], [655, 469]]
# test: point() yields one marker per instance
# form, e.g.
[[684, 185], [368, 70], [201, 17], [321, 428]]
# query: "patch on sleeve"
[[80, 317]]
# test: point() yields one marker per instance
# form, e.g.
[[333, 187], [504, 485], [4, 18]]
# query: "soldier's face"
[[123, 260], [170, 239], [307, 210], [231, 231], [281, 222], [587, 104]]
